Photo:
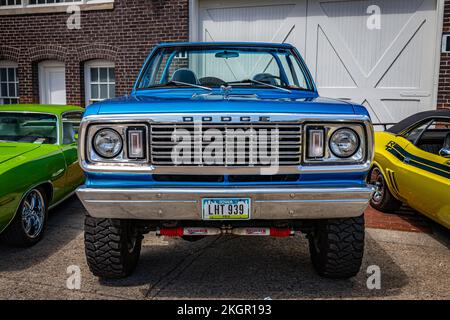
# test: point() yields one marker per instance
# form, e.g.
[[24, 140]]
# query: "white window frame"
[[10, 64], [445, 40], [26, 4], [27, 8], [12, 6], [87, 77]]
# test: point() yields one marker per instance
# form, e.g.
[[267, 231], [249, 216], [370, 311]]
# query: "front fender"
[[22, 175]]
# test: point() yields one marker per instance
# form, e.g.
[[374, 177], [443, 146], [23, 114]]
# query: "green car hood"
[[10, 150]]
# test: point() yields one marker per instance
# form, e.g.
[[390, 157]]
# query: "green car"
[[38, 167]]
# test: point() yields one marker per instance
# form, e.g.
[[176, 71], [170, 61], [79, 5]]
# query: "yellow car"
[[412, 166]]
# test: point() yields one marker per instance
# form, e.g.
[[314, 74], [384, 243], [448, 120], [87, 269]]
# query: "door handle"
[[58, 173]]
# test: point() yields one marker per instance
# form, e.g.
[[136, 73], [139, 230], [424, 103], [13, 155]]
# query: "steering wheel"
[[268, 77], [211, 81]]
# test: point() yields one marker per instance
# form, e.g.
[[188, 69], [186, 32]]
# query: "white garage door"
[[390, 70]]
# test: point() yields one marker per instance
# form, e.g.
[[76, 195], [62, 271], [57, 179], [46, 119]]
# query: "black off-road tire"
[[337, 247], [385, 202], [112, 247], [15, 234]]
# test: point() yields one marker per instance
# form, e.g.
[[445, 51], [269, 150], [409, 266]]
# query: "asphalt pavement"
[[412, 265]]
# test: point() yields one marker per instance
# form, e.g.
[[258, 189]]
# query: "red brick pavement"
[[405, 219]]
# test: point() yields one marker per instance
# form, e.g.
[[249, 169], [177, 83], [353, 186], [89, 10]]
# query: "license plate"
[[226, 208]]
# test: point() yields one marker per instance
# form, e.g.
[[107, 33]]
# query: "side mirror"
[[445, 152]]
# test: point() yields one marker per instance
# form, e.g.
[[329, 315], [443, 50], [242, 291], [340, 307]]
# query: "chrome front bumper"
[[271, 203]]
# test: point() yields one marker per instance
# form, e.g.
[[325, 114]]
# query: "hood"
[[10, 150], [182, 101]]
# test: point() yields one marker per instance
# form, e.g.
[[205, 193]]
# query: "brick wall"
[[124, 35], [444, 72]]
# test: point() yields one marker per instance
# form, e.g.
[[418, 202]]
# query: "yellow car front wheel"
[[382, 199]]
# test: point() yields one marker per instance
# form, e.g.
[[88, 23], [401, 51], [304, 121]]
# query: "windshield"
[[216, 67], [28, 127]]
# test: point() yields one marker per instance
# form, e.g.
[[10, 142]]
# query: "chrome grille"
[[290, 141]]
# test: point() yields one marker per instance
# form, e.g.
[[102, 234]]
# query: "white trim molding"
[[437, 56], [27, 7], [193, 20]]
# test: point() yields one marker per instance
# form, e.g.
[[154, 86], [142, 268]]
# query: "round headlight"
[[344, 143], [107, 143]]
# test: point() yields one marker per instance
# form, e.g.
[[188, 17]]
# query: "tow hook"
[[199, 231]]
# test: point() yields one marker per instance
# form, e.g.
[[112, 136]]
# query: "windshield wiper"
[[261, 83], [172, 82]]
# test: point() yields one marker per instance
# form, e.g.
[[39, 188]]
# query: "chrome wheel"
[[377, 180], [33, 213]]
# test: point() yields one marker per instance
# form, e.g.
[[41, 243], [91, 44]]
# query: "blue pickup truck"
[[225, 139]]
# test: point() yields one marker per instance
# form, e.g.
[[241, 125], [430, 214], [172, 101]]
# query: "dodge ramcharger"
[[225, 139]]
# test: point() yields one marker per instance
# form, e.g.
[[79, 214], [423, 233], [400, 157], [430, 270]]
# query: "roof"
[[44, 108], [231, 44], [408, 122]]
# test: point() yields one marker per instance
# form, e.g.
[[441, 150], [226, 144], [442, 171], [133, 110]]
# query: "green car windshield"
[[263, 68], [28, 128]]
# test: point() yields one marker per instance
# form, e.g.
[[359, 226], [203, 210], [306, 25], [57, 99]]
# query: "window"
[[242, 67], [10, 3], [415, 133], [8, 7], [100, 81], [430, 136], [9, 83], [25, 3], [71, 124], [28, 127], [34, 2], [445, 43], [434, 137]]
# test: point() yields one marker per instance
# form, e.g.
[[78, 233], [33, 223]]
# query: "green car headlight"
[[107, 143], [344, 143]]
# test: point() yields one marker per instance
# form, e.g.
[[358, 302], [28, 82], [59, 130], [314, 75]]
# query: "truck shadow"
[[252, 268], [65, 223]]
